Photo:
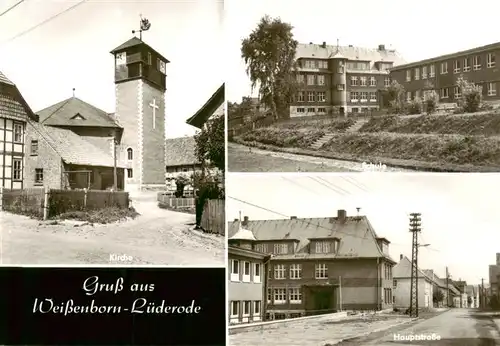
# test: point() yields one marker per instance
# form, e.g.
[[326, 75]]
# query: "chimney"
[[341, 215], [236, 220], [401, 257], [350, 46], [381, 47], [293, 217], [323, 45], [245, 221]]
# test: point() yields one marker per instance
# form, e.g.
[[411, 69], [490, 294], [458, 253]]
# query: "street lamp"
[[423, 245]]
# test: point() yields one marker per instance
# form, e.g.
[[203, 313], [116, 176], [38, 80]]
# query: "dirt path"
[[158, 236]]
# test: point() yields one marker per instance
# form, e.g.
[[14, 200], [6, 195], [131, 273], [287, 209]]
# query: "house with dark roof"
[[180, 157], [247, 278], [213, 107], [15, 113], [402, 285], [341, 79], [322, 265]]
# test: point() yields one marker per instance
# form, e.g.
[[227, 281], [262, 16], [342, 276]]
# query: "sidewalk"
[[317, 332]]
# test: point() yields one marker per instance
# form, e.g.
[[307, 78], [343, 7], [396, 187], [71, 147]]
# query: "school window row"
[[295, 271], [311, 79], [245, 271], [363, 96], [368, 81], [312, 96], [245, 311], [444, 93], [291, 295], [319, 110]]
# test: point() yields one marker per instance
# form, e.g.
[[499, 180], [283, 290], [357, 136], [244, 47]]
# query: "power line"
[[335, 186], [44, 22], [299, 185], [328, 187], [12, 7]]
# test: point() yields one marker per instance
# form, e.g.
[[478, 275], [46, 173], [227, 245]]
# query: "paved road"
[[245, 159], [456, 327], [158, 236]]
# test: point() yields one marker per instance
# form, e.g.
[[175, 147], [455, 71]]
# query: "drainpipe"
[[266, 281], [378, 284]]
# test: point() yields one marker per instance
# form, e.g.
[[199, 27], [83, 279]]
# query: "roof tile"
[[180, 152]]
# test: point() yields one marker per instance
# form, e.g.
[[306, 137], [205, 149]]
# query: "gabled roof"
[[209, 108], [351, 53], [357, 236], [72, 148], [12, 102], [133, 42], [63, 113], [402, 270], [180, 152], [4, 79]]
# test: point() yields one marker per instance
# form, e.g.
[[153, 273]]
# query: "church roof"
[[74, 149], [4, 79], [134, 41], [201, 117], [180, 152], [75, 112]]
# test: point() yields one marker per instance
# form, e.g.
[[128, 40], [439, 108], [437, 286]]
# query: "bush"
[[472, 95], [102, 216], [431, 99], [414, 106]]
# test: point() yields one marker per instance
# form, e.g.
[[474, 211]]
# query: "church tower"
[[140, 74]]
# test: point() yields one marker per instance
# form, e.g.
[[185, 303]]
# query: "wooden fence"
[[167, 199], [213, 219], [46, 203]]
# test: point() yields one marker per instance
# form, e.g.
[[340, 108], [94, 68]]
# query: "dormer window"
[[78, 116], [280, 249], [323, 246]]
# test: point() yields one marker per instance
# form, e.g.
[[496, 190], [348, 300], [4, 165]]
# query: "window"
[[354, 96], [130, 173], [256, 273], [256, 310], [432, 71], [263, 246], [299, 110], [424, 72], [363, 81], [321, 79], [490, 60], [161, 66], [300, 79], [246, 307], [364, 96], [444, 93], [387, 81], [340, 87], [373, 96], [492, 89], [322, 110], [17, 171], [466, 64], [363, 66], [417, 93], [408, 96], [394, 283], [310, 64], [300, 96], [373, 81], [295, 271], [18, 133], [235, 270], [417, 73], [311, 110], [456, 66], [281, 249], [38, 175], [279, 271], [246, 271], [323, 64], [279, 296], [444, 67], [295, 295], [456, 92], [354, 80], [269, 295], [340, 68], [477, 63], [355, 110], [408, 75], [323, 247], [321, 96], [34, 147], [130, 154], [150, 59], [310, 79], [321, 271], [310, 96], [235, 305]]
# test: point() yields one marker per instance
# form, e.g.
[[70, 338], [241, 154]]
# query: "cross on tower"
[[155, 107]]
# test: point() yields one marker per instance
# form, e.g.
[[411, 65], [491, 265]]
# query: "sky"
[[458, 211], [417, 31], [72, 51]]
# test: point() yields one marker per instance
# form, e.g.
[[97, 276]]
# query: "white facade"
[[402, 292]]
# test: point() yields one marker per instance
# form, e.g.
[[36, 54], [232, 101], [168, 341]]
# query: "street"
[[456, 327], [157, 236]]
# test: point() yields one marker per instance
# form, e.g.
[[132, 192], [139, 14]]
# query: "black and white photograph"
[[112, 132], [363, 259], [341, 86]]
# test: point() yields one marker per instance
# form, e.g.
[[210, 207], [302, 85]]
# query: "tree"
[[269, 54], [180, 183], [471, 95], [210, 145], [437, 296], [396, 97]]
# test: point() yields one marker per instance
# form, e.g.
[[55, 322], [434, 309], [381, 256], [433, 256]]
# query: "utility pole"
[[481, 299], [447, 288], [415, 229], [115, 173]]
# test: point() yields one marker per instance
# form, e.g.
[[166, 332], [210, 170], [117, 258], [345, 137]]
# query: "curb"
[[371, 332]]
